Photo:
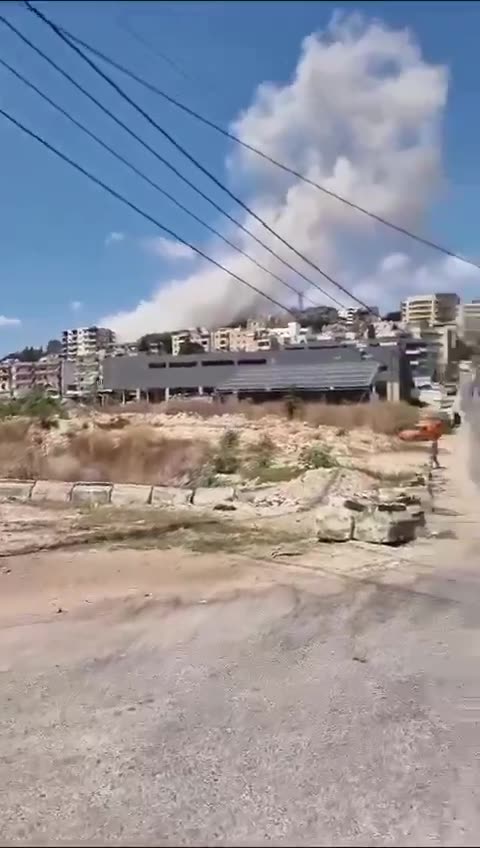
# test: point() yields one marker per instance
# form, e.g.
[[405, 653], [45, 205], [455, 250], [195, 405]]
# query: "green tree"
[[54, 346], [190, 347]]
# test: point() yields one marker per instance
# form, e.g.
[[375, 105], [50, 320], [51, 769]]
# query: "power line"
[[162, 159], [140, 211], [188, 155], [124, 23], [144, 177], [286, 168]]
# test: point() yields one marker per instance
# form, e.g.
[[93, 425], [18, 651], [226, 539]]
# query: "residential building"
[[47, 374], [125, 349], [18, 378], [4, 378], [430, 309], [82, 377], [469, 322], [350, 314], [257, 337], [197, 335], [86, 341], [438, 350], [22, 377]]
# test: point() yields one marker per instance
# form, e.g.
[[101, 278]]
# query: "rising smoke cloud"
[[362, 116]]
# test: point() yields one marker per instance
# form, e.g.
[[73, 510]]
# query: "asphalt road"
[[280, 716]]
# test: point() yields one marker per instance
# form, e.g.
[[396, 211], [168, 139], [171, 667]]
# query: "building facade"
[[469, 322], [161, 378], [427, 310], [86, 341], [19, 378], [197, 335]]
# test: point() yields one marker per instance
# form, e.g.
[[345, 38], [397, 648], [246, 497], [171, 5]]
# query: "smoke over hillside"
[[362, 116]]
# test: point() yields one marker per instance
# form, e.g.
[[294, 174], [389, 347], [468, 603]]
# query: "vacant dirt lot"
[[180, 446]]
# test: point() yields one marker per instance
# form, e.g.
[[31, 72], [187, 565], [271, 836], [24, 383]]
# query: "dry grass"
[[381, 417], [132, 453], [136, 455]]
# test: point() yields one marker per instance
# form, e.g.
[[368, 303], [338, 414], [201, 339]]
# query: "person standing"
[[434, 463]]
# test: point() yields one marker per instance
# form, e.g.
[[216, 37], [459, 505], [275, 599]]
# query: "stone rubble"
[[381, 517]]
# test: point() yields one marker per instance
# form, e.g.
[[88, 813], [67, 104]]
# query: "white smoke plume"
[[361, 116]]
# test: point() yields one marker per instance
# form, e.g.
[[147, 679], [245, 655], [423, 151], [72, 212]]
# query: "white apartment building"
[[258, 337], [86, 341], [469, 322], [196, 335], [430, 309]]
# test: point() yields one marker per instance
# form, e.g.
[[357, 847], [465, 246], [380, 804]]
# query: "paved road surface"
[[282, 716]]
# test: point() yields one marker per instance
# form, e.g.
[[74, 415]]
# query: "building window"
[[182, 364], [252, 362], [156, 364], [213, 362]]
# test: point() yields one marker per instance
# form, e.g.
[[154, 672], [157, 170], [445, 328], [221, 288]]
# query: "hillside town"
[[414, 350]]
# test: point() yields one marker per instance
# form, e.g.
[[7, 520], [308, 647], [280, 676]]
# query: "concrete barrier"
[[91, 493], [52, 490], [213, 497], [171, 496], [130, 494], [19, 490]]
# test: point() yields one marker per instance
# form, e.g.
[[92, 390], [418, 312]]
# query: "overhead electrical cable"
[[139, 211], [144, 177], [162, 159], [189, 155]]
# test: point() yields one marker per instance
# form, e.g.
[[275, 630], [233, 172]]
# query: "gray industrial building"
[[329, 371]]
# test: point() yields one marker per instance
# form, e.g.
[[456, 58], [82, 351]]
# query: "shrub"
[[262, 452], [315, 456], [226, 460]]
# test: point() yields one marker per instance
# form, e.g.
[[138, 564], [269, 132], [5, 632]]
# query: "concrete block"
[[19, 490], [214, 497], [130, 494], [52, 490], [171, 496], [91, 493], [334, 524], [384, 527]]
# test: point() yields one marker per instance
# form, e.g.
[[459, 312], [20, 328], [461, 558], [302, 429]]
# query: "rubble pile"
[[383, 516]]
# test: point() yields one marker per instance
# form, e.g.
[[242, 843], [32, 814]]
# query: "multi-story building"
[[47, 374], [196, 335], [255, 337], [4, 378], [469, 322], [82, 377], [18, 378], [22, 378], [433, 351], [86, 341], [430, 309]]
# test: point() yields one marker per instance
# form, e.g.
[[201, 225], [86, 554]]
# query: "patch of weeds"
[[262, 452], [279, 473], [315, 456], [226, 459]]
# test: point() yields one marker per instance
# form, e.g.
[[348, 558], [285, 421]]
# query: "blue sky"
[[53, 224]]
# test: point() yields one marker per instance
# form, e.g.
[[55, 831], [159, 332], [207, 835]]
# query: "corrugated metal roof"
[[319, 377]]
